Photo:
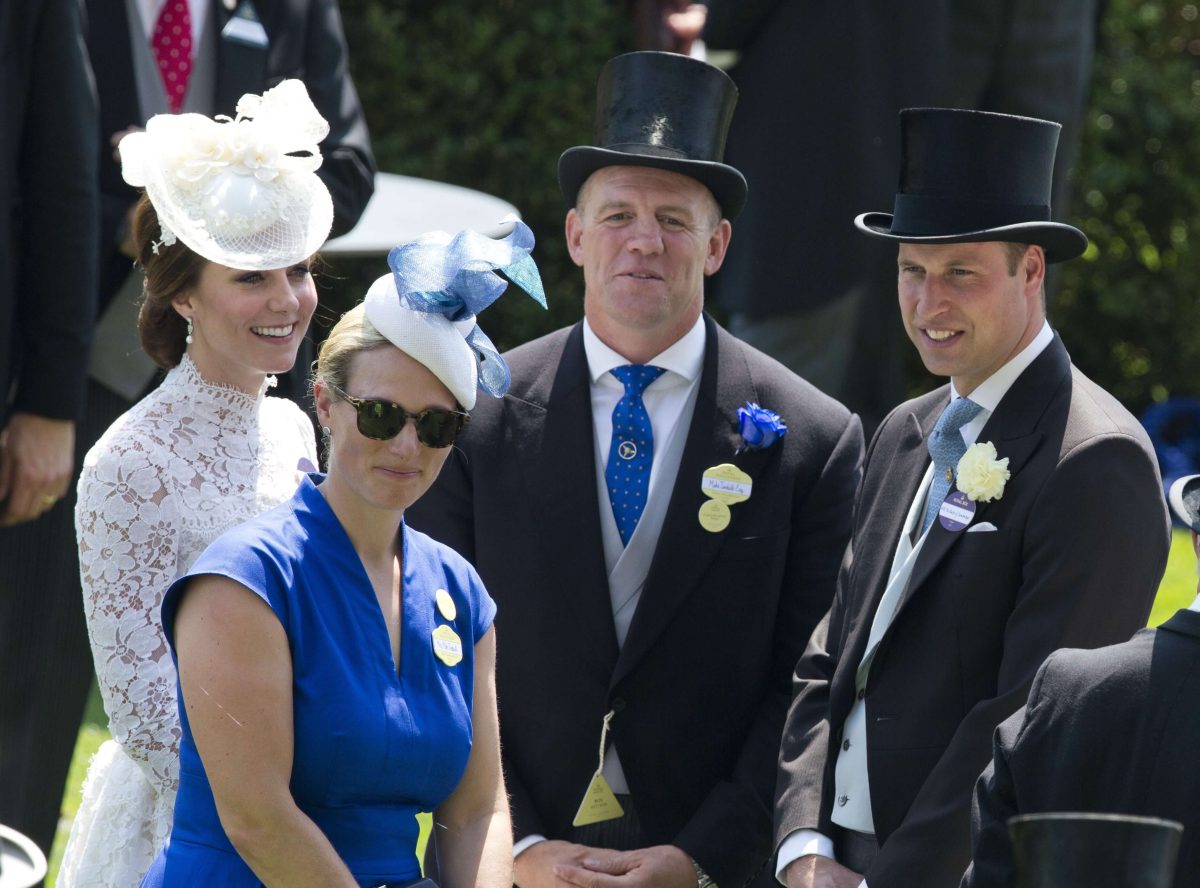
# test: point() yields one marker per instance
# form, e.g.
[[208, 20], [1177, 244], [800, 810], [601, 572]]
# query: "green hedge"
[[484, 94], [487, 94], [1130, 309]]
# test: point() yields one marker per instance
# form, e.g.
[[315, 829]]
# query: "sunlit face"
[[963, 309], [645, 239], [390, 474], [247, 324]]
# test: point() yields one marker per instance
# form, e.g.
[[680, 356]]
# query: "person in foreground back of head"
[[336, 668], [1113, 731]]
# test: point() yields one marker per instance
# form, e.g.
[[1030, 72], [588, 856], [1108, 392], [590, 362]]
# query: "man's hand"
[[534, 867], [663, 866], [37, 456], [815, 871], [685, 24]]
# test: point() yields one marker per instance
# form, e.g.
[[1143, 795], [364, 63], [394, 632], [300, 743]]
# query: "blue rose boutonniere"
[[759, 427]]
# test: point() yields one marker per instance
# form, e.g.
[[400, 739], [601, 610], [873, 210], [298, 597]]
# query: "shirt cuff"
[[530, 841], [799, 844]]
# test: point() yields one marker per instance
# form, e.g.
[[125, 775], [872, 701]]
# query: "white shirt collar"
[[1195, 605], [996, 386], [993, 389], [684, 358]]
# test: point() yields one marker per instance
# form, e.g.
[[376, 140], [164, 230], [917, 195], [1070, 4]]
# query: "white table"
[[404, 207]]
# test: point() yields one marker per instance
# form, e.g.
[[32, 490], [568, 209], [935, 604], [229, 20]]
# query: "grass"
[[1177, 590]]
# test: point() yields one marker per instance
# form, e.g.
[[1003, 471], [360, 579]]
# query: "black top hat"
[[21, 861], [1090, 850], [663, 110], [968, 176], [1184, 497]]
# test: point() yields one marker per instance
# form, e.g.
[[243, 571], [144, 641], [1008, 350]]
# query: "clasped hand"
[[558, 864]]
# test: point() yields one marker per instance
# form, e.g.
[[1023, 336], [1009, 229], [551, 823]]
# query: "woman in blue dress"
[[336, 668]]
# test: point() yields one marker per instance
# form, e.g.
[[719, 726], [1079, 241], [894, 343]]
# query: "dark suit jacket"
[[1115, 730], [48, 201], [1080, 548], [305, 42], [701, 685]]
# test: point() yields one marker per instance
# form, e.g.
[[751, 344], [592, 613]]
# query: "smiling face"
[[965, 311], [393, 474], [645, 238], [247, 324]]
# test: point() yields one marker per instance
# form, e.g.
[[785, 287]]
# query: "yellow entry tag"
[[714, 516], [447, 646], [726, 484], [598, 803]]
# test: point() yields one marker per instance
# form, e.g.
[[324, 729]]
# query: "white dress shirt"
[[669, 402], [851, 780]]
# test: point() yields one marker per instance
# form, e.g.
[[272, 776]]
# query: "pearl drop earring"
[[189, 338], [325, 431]]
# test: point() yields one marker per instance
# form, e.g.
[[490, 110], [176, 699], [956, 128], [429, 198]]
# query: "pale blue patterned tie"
[[947, 448], [632, 450]]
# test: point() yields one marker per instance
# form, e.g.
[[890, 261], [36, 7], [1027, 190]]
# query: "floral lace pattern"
[[186, 463]]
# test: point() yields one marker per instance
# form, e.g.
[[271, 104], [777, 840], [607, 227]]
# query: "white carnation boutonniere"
[[981, 475]]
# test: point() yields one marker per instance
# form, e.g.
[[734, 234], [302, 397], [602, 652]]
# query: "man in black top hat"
[[657, 571], [1015, 511], [1115, 730]]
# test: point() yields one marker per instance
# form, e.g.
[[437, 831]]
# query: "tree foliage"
[[1130, 309], [487, 95]]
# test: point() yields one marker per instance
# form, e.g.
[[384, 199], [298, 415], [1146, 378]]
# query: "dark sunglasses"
[[383, 420]]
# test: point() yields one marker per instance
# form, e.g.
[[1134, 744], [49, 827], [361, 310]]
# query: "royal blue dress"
[[373, 745]]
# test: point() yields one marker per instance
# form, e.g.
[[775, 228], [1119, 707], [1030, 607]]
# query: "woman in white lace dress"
[[225, 234]]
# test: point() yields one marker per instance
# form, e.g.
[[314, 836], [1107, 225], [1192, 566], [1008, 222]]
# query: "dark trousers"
[[45, 660]]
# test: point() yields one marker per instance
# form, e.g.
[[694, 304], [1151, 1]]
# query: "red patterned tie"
[[172, 45]]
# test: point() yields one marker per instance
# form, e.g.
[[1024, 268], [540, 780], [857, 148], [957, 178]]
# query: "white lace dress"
[[186, 463]]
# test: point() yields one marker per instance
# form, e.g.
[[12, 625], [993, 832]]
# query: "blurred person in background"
[[48, 245]]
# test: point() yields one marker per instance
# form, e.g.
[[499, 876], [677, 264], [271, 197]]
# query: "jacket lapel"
[[240, 67], [552, 436], [685, 550], [1013, 428]]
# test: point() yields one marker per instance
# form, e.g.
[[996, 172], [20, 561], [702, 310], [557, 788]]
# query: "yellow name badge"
[[447, 646], [724, 485], [599, 803]]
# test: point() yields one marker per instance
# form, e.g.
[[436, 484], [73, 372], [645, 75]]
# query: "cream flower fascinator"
[[241, 192]]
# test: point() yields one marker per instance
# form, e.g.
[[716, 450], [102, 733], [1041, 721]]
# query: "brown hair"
[[1014, 253], [353, 334], [167, 273]]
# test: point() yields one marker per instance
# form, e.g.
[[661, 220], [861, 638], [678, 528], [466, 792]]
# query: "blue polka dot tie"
[[947, 448], [632, 450]]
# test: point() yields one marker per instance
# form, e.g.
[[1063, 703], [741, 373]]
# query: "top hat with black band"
[[1091, 850], [662, 110], [21, 861], [970, 176]]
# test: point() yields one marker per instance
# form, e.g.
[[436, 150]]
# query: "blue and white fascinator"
[[427, 306]]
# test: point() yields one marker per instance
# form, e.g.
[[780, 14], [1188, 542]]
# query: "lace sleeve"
[[127, 522]]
